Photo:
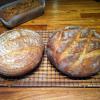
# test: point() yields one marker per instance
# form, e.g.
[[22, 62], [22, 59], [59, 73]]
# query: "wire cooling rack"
[[46, 75]]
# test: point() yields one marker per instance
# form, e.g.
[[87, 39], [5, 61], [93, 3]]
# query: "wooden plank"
[[49, 94], [59, 13]]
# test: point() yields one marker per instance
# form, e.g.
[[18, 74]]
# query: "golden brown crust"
[[20, 51], [75, 51]]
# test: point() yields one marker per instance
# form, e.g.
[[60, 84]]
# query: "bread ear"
[[52, 34], [72, 27], [97, 35]]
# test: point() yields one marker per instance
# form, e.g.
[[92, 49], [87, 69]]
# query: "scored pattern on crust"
[[84, 46]]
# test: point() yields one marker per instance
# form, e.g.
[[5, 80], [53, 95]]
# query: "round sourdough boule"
[[75, 51], [21, 51]]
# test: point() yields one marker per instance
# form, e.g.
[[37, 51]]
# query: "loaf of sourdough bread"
[[75, 51]]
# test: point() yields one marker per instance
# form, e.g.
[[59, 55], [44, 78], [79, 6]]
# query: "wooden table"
[[49, 94], [59, 13]]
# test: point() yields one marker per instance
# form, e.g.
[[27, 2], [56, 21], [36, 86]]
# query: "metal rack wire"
[[46, 75]]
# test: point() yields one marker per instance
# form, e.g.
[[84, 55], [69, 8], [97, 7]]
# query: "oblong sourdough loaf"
[[75, 51], [20, 51]]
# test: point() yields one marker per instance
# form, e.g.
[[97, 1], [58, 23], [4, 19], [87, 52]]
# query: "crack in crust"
[[75, 51]]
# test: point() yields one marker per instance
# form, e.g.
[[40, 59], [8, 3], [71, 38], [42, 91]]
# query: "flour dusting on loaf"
[[20, 51]]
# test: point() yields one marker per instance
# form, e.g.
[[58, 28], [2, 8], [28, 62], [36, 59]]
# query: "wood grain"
[[50, 94], [59, 13]]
